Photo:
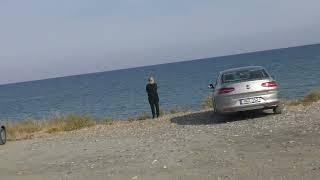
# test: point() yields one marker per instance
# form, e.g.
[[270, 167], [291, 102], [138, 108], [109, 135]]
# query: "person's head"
[[151, 80]]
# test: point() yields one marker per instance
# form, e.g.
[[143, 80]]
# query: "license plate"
[[250, 100]]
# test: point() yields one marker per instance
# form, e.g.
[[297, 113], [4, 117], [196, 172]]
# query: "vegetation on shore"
[[310, 98], [207, 103], [28, 128]]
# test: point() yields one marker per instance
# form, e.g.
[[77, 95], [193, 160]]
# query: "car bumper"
[[250, 107], [229, 104]]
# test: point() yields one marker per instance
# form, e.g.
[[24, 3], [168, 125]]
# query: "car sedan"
[[3, 134], [245, 88]]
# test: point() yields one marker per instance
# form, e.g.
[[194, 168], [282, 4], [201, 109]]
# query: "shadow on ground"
[[208, 117]]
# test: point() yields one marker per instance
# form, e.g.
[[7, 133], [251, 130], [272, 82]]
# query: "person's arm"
[[156, 89]]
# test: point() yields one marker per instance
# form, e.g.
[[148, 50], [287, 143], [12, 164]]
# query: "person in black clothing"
[[153, 97]]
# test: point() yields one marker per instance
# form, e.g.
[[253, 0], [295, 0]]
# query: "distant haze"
[[43, 39]]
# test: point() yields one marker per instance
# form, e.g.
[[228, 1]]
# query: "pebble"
[[154, 161]]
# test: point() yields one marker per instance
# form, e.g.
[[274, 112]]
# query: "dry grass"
[[69, 123], [30, 128], [174, 110], [207, 103], [162, 112], [310, 98], [143, 116], [24, 129], [108, 120], [27, 129]]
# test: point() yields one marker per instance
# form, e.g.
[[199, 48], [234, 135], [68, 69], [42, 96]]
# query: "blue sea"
[[121, 93]]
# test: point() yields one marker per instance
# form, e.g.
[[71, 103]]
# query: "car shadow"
[[209, 117]]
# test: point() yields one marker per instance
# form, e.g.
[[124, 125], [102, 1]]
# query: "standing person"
[[153, 97]]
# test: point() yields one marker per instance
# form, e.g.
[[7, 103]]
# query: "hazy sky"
[[41, 38]]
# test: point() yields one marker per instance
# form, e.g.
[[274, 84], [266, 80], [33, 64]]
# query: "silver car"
[[3, 134], [245, 88]]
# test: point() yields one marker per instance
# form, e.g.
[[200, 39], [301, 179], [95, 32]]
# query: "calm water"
[[122, 93]]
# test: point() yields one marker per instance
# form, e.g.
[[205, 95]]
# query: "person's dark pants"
[[154, 104]]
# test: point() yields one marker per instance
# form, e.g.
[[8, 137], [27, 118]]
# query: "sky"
[[42, 39]]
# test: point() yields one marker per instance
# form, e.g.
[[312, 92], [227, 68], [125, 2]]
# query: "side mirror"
[[210, 86]]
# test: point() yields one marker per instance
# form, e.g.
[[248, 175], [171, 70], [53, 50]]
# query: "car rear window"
[[244, 75]]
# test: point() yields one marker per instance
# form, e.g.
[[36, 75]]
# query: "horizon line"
[[144, 66]]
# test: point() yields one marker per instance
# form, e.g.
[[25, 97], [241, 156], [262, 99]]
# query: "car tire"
[[277, 110], [217, 116], [3, 136]]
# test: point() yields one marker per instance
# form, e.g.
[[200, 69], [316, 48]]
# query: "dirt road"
[[184, 146]]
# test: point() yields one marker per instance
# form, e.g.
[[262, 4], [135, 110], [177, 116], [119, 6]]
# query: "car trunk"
[[248, 89]]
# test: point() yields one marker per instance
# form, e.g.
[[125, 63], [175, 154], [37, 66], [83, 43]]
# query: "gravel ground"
[[194, 145]]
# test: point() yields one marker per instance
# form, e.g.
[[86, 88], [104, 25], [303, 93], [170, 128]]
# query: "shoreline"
[[28, 129]]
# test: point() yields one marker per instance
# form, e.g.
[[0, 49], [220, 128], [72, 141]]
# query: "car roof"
[[242, 68]]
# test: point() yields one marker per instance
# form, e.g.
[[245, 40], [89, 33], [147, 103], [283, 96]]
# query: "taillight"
[[226, 90], [270, 84]]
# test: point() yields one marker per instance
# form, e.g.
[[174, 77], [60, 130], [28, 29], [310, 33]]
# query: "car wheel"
[[217, 116], [3, 136], [277, 110]]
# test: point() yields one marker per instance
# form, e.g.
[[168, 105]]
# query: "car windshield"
[[244, 75]]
